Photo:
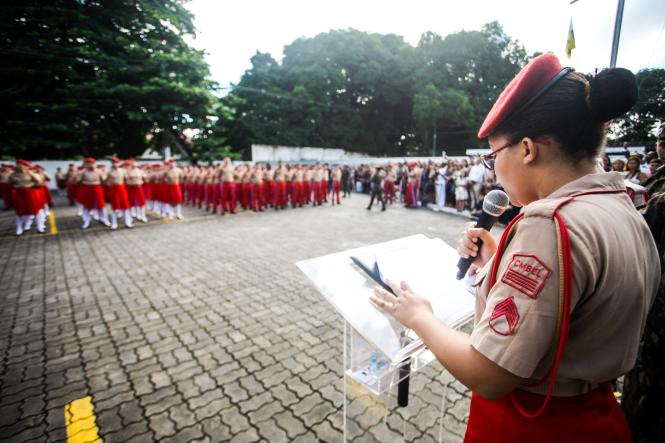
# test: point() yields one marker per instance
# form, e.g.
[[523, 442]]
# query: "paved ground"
[[199, 330]]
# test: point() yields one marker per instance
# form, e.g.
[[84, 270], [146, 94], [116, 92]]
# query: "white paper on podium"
[[427, 265]]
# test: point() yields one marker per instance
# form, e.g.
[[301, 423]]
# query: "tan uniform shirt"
[[615, 271], [172, 175], [116, 177], [135, 176]]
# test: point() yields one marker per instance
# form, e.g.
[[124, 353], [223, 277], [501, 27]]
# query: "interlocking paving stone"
[[200, 330]]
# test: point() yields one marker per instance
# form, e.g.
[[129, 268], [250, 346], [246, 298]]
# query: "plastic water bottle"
[[373, 363]]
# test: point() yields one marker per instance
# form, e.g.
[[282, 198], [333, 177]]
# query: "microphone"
[[495, 204]]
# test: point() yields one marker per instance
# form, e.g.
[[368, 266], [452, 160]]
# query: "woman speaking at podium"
[[562, 299]]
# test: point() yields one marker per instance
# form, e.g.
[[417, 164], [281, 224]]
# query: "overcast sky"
[[232, 31]]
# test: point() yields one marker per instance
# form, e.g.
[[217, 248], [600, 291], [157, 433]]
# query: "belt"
[[563, 389]]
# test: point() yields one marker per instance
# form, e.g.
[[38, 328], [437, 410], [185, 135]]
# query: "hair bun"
[[613, 92]]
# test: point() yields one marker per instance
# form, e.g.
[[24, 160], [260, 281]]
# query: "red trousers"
[[591, 417], [246, 194], [389, 191], [257, 196], [335, 191], [229, 197], [280, 199], [324, 190]]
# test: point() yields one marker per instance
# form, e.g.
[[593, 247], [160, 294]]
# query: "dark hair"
[[575, 110]]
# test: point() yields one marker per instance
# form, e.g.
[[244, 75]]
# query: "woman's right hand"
[[467, 246]]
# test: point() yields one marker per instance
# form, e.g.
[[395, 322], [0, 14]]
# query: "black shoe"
[[369, 208], [383, 209]]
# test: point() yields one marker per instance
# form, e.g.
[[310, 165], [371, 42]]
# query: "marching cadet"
[[562, 300], [117, 193], [228, 187], [91, 193], [412, 174], [307, 184], [389, 184], [269, 188], [317, 176], [25, 198], [257, 188], [172, 190], [337, 184], [134, 183], [280, 184], [72, 178]]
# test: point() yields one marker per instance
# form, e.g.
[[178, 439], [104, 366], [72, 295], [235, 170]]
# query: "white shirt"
[[477, 173]]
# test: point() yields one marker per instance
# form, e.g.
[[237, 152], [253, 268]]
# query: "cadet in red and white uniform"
[[228, 187], [172, 190], [389, 184], [134, 177], [280, 184], [257, 188], [91, 194], [117, 193], [298, 187], [307, 184], [269, 185], [562, 300], [25, 198], [337, 184], [319, 189]]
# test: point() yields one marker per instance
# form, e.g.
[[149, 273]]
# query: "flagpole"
[[617, 33]]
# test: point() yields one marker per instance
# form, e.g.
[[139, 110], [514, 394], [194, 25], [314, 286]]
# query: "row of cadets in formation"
[[128, 188], [24, 188], [224, 187]]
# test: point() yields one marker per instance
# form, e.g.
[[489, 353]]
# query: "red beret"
[[115, 159], [38, 167], [23, 163], [530, 83], [89, 160], [127, 163]]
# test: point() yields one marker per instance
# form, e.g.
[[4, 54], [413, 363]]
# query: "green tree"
[[96, 78], [638, 126]]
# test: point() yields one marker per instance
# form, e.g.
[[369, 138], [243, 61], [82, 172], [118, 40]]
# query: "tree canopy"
[[102, 77], [99, 77]]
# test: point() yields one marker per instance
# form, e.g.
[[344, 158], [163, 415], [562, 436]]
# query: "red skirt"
[[26, 201], [172, 193], [91, 196], [135, 195], [147, 190], [591, 417], [118, 197]]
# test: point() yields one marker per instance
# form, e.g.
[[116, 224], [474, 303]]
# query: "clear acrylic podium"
[[376, 349]]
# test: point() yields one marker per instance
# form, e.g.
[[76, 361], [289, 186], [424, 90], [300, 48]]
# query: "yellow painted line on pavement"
[[51, 221], [80, 421]]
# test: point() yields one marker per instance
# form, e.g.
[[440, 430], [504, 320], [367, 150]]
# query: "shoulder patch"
[[504, 317], [527, 274]]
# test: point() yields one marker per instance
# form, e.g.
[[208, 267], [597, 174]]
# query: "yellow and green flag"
[[570, 43]]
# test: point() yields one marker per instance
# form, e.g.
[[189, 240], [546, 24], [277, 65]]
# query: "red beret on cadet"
[[115, 159], [89, 160], [23, 163], [537, 77]]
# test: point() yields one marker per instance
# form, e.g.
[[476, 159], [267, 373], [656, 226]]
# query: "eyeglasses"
[[489, 159]]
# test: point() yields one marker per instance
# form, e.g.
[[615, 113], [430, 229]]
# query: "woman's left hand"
[[406, 306]]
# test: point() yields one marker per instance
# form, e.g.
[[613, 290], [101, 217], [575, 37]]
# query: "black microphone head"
[[495, 202]]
